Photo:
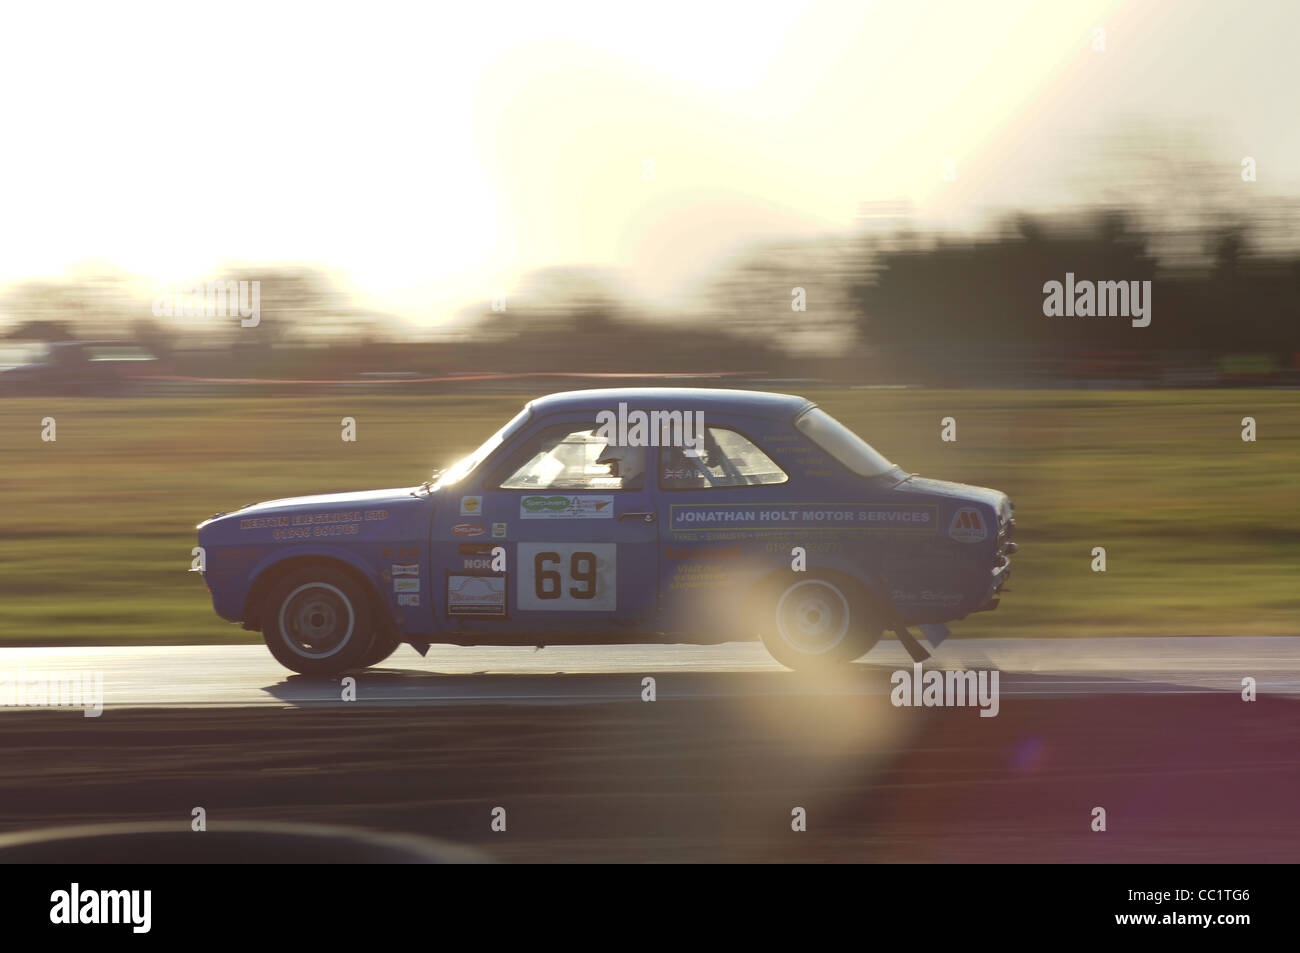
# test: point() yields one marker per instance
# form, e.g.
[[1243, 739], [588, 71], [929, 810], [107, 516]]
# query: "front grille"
[[1006, 548]]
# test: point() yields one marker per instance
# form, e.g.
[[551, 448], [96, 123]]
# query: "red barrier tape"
[[425, 380]]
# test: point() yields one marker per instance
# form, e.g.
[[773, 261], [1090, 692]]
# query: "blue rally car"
[[622, 516]]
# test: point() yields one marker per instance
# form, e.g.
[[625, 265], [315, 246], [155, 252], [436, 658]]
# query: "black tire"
[[817, 620], [319, 620], [384, 644]]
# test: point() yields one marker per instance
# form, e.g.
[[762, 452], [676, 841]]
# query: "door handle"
[[646, 517]]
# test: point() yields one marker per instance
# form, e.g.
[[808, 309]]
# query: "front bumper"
[[1001, 571]]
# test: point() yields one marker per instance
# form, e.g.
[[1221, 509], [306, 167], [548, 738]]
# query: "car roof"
[[710, 400]]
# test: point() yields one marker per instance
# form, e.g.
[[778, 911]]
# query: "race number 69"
[[568, 576], [582, 570]]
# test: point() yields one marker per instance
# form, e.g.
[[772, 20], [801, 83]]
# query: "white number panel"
[[567, 577]]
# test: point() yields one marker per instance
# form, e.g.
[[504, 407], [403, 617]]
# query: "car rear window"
[[728, 459]]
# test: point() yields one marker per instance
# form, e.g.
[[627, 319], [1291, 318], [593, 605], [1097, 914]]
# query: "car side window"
[[728, 459], [573, 457]]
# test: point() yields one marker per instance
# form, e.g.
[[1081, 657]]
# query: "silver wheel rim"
[[317, 620], [812, 617]]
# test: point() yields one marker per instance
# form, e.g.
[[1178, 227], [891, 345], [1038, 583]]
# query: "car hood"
[[328, 500], [323, 501]]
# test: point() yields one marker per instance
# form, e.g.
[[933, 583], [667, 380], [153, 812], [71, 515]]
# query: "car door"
[[720, 516], [575, 520]]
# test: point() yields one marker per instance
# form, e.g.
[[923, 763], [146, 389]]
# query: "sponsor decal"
[[682, 473], [308, 525], [401, 553], [475, 549], [699, 575], [482, 596], [307, 532], [566, 507], [408, 599], [498, 530], [471, 505], [262, 522], [477, 562], [468, 529], [875, 517], [967, 526], [405, 569], [304, 519], [402, 584]]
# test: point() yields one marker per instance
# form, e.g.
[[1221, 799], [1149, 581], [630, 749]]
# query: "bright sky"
[[434, 152]]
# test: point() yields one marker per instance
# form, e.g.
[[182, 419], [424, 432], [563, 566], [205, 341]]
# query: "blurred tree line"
[[905, 307]]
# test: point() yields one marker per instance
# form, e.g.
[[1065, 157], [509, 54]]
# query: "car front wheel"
[[816, 621], [318, 621]]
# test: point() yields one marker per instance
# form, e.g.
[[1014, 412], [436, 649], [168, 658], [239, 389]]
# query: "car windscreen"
[[842, 443], [466, 465]]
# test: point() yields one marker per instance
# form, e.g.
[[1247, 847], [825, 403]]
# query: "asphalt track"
[[246, 675], [1155, 731]]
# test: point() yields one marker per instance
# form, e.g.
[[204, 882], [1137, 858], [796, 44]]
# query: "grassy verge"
[[1201, 530]]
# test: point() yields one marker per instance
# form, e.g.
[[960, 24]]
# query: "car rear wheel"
[[817, 621], [319, 621]]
